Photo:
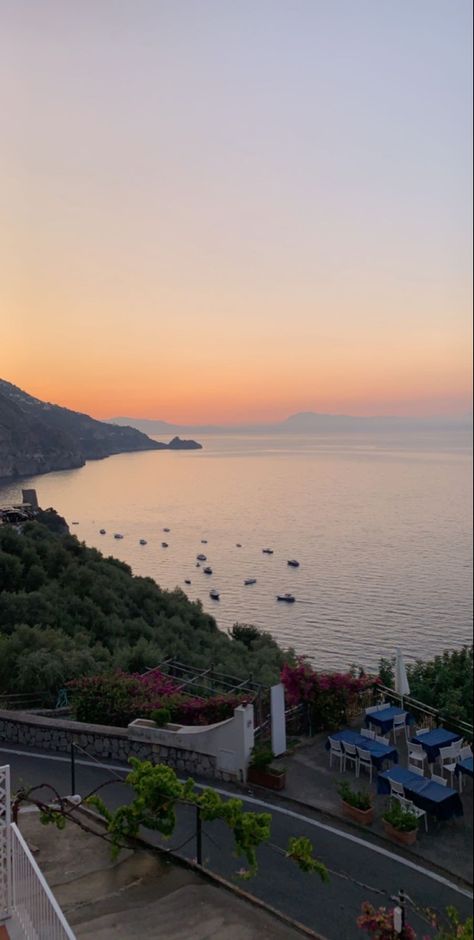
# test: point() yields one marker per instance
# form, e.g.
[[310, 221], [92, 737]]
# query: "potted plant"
[[161, 717], [260, 769], [400, 824], [356, 804]]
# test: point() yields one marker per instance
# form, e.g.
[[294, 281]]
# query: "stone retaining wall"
[[102, 742]]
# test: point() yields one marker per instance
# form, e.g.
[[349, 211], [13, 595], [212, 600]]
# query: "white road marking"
[[274, 809]]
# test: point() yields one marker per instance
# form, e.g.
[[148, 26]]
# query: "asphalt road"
[[359, 870]]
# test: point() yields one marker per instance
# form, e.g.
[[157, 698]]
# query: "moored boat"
[[143, 542], [102, 531], [207, 570], [214, 594], [164, 544], [250, 581], [118, 535], [187, 581], [289, 598], [201, 557], [267, 551], [293, 563]]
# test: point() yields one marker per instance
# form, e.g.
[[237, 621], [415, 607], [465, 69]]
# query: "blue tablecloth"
[[464, 767], [379, 752], [384, 719], [432, 741], [442, 802]]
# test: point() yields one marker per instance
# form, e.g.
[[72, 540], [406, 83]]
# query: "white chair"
[[416, 754], [416, 769], [448, 758], [400, 725], [372, 709], [419, 813], [364, 760], [420, 731], [335, 750], [397, 790], [464, 754], [366, 733], [350, 754], [382, 739], [441, 780]]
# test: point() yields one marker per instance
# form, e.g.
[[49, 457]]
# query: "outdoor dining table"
[[442, 802], [432, 741], [379, 752], [384, 718]]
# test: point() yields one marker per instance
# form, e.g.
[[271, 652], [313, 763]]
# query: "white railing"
[[5, 843], [33, 904]]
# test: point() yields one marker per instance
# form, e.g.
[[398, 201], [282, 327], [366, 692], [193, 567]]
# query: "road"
[[359, 870]]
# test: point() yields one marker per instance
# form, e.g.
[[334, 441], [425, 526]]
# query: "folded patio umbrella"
[[401, 679]]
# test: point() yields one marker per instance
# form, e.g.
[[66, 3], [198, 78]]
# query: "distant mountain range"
[[37, 437], [305, 422]]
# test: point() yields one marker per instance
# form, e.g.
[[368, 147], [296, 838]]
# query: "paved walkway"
[[310, 781]]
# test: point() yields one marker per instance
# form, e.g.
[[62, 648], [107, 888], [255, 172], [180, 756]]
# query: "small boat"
[[203, 541], [102, 531], [164, 544], [293, 563], [238, 545], [142, 541], [267, 551], [187, 581], [289, 598], [207, 570], [118, 535], [201, 557], [214, 594], [198, 564], [166, 530], [250, 581], [74, 523]]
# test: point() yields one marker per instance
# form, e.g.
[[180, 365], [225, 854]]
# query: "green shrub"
[[404, 820], [161, 716], [359, 799], [261, 757]]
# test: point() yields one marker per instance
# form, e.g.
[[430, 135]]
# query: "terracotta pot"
[[364, 817], [401, 838], [265, 777]]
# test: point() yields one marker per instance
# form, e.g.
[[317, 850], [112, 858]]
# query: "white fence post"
[[5, 845]]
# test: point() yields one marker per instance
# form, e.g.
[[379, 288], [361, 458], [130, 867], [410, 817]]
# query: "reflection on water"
[[380, 527]]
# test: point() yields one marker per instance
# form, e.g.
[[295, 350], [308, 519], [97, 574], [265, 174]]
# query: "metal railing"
[[434, 717], [34, 906]]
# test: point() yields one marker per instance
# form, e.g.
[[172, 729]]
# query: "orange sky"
[[200, 229]]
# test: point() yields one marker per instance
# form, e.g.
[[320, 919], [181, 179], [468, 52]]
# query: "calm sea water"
[[381, 529]]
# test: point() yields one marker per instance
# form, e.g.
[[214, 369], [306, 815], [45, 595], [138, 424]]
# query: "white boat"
[[214, 594], [293, 563], [289, 598], [143, 542], [201, 557], [250, 581], [118, 535]]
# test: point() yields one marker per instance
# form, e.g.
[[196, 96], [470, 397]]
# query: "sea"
[[381, 527]]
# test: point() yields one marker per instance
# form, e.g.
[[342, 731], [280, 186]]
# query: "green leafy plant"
[[359, 799], [161, 716], [402, 819], [261, 757]]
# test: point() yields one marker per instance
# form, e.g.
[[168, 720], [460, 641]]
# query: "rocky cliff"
[[37, 437]]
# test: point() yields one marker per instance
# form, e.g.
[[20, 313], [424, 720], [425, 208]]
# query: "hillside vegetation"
[[66, 611]]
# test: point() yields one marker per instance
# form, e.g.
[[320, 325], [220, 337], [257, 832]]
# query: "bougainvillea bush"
[[328, 695], [378, 924], [118, 698]]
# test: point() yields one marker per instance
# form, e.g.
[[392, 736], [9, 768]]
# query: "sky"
[[233, 210]]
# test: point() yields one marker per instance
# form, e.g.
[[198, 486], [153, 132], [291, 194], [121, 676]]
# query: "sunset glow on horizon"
[[220, 212]]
